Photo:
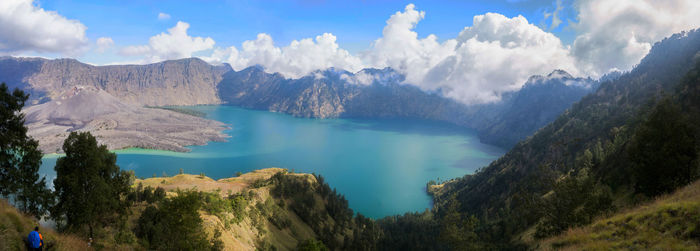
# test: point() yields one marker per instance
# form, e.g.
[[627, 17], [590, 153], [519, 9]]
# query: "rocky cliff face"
[[175, 82], [310, 96]]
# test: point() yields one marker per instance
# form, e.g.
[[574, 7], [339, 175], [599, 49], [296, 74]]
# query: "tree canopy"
[[89, 186], [20, 158], [175, 225]]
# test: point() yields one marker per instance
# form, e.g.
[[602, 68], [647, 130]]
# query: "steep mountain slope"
[[669, 222], [272, 209], [175, 82], [591, 137], [14, 226], [305, 97], [521, 113]]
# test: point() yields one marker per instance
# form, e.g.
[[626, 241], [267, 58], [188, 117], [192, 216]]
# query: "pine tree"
[[663, 151], [89, 185], [20, 157]]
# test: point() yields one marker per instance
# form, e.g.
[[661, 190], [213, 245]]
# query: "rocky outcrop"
[[176, 82]]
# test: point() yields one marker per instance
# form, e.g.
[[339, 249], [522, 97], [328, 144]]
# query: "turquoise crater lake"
[[381, 166]]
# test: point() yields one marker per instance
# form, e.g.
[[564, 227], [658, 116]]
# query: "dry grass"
[[225, 186], [670, 222], [14, 227], [239, 236], [243, 235]]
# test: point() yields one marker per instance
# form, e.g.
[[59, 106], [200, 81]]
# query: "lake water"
[[381, 166]]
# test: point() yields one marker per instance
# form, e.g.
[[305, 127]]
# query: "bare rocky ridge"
[[108, 101], [175, 82], [115, 123]]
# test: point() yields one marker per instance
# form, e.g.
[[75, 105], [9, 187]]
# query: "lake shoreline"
[[380, 165]]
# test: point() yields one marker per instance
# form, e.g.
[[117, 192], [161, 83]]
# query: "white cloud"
[[495, 55], [104, 43], [294, 60], [172, 45], [27, 27], [617, 34], [163, 16], [361, 78], [400, 48]]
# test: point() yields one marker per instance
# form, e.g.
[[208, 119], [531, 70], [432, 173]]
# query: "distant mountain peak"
[[560, 77], [559, 73]]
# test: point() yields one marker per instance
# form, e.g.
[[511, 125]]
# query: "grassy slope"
[[14, 227], [669, 222], [245, 235]]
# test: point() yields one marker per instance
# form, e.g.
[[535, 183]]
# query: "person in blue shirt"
[[35, 240]]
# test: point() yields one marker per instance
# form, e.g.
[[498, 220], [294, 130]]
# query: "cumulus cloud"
[[104, 43], [400, 48], [27, 27], [294, 60], [495, 55], [174, 44], [163, 16], [617, 34]]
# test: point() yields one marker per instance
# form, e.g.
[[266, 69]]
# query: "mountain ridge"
[[174, 82]]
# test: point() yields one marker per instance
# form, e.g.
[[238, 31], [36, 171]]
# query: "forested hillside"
[[635, 137]]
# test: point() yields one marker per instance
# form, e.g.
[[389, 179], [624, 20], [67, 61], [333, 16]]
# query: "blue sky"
[[355, 23], [471, 50]]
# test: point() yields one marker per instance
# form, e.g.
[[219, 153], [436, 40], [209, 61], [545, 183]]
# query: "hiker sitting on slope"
[[35, 241]]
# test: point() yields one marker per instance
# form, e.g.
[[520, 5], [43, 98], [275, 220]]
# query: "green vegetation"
[[575, 201], [664, 150], [230, 210], [180, 110], [312, 245], [670, 222], [20, 158], [148, 194], [411, 231], [635, 137], [175, 224], [14, 227], [89, 186], [303, 197]]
